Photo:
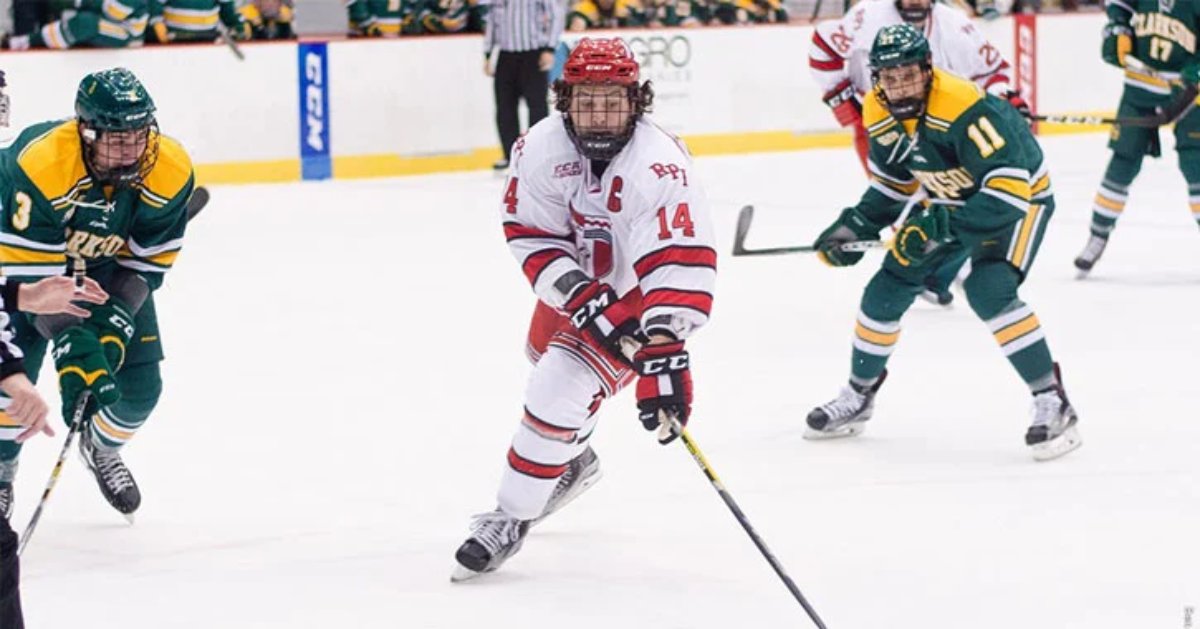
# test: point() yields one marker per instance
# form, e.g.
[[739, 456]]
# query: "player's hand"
[[112, 323], [81, 366], [545, 61], [595, 310], [1118, 42], [27, 406], [850, 226], [664, 386], [843, 100], [488, 70], [1190, 75], [1015, 99], [922, 235], [54, 295]]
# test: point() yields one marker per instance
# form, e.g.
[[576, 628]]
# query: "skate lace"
[[847, 403], [5, 500], [495, 530], [113, 471], [1095, 246], [1047, 409]]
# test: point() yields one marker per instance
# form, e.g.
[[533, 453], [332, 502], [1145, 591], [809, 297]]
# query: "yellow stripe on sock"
[[1017, 330]]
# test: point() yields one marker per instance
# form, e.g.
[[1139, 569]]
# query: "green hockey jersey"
[[52, 209], [970, 151], [194, 20], [95, 23], [1164, 41]]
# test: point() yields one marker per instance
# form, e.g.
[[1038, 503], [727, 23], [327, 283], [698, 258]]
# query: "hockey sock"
[[1113, 192], [1191, 172], [874, 342], [115, 425]]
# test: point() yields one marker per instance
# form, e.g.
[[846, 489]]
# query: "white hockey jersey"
[[841, 48], [642, 225]]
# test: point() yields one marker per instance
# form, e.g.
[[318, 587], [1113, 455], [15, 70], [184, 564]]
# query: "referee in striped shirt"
[[526, 32]]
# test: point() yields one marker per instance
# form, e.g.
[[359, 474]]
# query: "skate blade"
[[129, 518], [571, 496], [850, 430], [1081, 274], [462, 574], [1060, 445]]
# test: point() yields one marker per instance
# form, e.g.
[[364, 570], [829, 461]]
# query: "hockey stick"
[[76, 424], [741, 518], [228, 39], [1163, 116], [746, 216], [199, 199]]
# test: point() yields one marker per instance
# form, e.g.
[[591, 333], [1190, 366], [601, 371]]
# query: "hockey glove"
[[850, 226], [843, 100], [81, 366], [1190, 75], [1014, 98], [112, 323], [922, 235], [1118, 42], [595, 310], [664, 388]]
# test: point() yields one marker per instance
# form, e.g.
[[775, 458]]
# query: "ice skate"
[[1053, 432], [846, 415], [6, 500], [114, 479], [582, 472], [495, 536], [1090, 256]]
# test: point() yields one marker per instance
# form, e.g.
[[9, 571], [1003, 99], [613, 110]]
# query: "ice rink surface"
[[345, 369]]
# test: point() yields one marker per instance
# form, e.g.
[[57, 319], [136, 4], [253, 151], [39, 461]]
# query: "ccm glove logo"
[[584, 314], [666, 364], [120, 323]]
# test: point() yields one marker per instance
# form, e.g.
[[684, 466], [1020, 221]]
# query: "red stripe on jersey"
[[513, 231], [548, 430], [532, 468], [996, 78], [826, 66], [538, 261], [819, 42], [694, 299], [681, 256]]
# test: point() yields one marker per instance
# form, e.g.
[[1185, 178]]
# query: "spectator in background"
[[451, 16], [750, 11], [269, 19], [193, 20], [685, 13], [381, 18], [589, 14], [95, 24], [526, 32]]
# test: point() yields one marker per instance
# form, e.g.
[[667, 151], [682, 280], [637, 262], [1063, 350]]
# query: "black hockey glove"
[[595, 310], [850, 226]]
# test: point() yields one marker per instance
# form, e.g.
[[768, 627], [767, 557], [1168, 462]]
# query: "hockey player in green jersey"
[[194, 20], [108, 190], [382, 18], [95, 24], [989, 192], [1155, 42]]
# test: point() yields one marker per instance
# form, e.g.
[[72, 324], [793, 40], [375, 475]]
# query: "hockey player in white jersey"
[[840, 48], [605, 217]]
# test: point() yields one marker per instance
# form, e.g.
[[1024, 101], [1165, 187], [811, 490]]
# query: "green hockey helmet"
[[117, 126], [899, 47]]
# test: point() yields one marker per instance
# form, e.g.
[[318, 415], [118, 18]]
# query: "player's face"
[[916, 4], [600, 109], [120, 149], [901, 83]]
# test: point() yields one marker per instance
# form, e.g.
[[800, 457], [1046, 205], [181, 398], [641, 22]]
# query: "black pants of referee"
[[10, 577], [517, 77]]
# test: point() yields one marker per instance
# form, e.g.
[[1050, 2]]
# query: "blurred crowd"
[[121, 23]]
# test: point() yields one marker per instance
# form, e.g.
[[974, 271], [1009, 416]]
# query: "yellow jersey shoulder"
[[172, 171], [53, 162], [951, 96], [876, 117]]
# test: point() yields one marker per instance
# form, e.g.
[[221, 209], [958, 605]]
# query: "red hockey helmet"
[[600, 62], [599, 119]]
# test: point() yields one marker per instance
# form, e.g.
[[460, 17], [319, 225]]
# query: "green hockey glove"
[[81, 366], [1190, 75], [922, 235], [112, 323], [1118, 42], [850, 226]]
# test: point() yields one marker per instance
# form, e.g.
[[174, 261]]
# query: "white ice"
[[345, 369]]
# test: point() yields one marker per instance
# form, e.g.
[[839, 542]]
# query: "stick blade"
[[745, 217]]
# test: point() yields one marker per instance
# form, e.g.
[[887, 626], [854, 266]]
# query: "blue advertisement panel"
[[315, 156]]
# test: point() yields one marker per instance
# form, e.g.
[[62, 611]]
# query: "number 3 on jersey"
[[682, 219]]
